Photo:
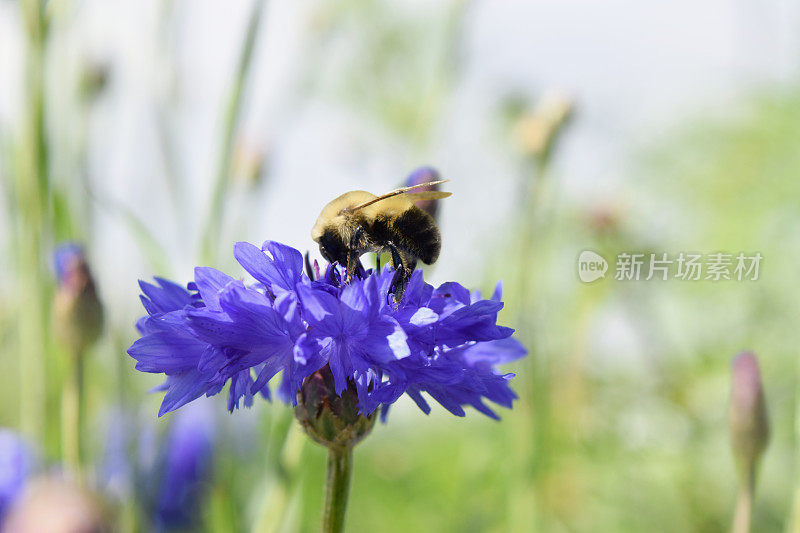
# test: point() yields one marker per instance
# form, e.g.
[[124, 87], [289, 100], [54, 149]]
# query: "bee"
[[358, 222]]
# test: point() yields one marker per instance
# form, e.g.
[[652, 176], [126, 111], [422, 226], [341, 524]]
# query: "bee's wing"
[[426, 195], [402, 190]]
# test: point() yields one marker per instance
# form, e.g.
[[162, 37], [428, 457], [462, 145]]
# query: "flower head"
[[442, 341]]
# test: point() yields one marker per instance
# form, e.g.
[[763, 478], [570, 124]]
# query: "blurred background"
[[158, 133]]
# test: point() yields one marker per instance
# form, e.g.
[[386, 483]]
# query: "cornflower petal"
[[210, 282]]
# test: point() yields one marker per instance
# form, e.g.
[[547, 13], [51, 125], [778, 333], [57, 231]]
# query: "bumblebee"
[[358, 222]]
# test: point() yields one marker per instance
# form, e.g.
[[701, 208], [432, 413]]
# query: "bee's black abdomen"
[[417, 233], [381, 230]]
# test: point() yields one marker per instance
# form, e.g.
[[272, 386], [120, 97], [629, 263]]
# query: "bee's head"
[[335, 225], [332, 246]]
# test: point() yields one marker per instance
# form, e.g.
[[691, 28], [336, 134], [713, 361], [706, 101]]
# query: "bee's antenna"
[[417, 186], [395, 192]]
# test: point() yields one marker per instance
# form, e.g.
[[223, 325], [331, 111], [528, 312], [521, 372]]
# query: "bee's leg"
[[309, 270], [401, 274], [353, 264], [360, 271], [378, 261]]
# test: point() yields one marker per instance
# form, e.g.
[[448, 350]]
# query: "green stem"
[[32, 202], [337, 486], [742, 516], [744, 511], [795, 512], [73, 415]]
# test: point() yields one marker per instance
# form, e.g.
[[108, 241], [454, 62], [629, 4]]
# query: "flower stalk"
[[337, 488], [73, 414], [77, 318], [32, 196], [742, 517]]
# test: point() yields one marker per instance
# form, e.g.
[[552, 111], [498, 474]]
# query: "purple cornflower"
[[168, 474], [442, 341], [425, 175], [16, 466], [185, 469]]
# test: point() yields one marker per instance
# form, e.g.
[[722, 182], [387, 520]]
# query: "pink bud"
[[748, 413]]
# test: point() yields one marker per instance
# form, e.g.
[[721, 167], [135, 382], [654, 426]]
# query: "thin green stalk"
[[211, 232], [337, 487], [31, 345], [794, 517], [529, 307], [744, 511], [742, 517], [537, 432], [32, 193], [36, 27], [73, 415]]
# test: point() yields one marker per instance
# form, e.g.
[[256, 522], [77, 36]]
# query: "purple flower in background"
[[67, 258], [168, 474], [425, 175], [444, 342], [184, 469], [116, 470], [16, 466]]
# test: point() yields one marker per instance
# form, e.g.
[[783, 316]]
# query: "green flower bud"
[[77, 313], [330, 419], [537, 130]]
